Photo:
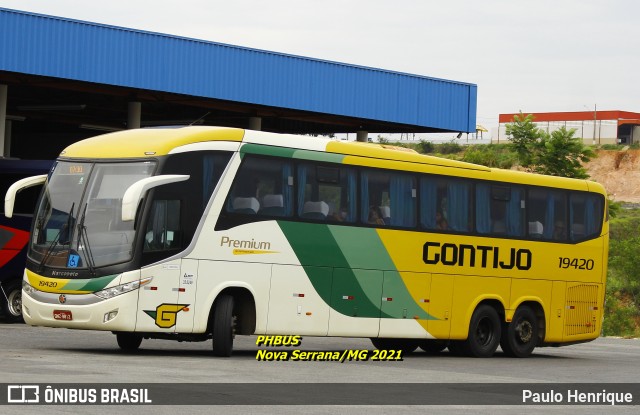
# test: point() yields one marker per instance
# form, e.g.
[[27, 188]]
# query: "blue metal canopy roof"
[[82, 51]]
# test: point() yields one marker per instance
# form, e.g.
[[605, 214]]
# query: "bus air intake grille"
[[581, 309]]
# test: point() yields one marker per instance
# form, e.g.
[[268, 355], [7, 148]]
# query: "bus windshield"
[[78, 221]]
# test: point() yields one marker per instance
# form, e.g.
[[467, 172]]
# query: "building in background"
[[594, 127], [63, 80]]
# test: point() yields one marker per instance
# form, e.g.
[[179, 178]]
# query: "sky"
[[534, 56]]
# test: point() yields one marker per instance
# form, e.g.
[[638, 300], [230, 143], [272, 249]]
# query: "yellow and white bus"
[[196, 233]]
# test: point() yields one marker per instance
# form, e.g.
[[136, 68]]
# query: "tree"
[[523, 134], [562, 154], [555, 154]]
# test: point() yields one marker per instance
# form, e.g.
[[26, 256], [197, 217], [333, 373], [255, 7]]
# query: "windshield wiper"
[[69, 228], [84, 239], [55, 240]]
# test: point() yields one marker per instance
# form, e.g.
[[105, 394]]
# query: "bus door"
[[405, 304], [158, 301]]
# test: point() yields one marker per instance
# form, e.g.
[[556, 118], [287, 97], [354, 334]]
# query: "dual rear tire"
[[517, 338], [521, 336]]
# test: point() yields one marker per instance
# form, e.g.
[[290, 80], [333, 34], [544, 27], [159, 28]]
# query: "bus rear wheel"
[[128, 342], [12, 304], [223, 328], [405, 345], [520, 336], [484, 332]]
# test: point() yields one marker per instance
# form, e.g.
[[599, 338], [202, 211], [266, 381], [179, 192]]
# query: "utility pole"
[[595, 120]]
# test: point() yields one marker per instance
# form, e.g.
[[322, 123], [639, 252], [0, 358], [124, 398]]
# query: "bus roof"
[[154, 142], [147, 142]]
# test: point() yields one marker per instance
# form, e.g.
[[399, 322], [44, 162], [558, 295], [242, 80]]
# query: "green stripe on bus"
[[97, 284], [314, 245], [291, 153], [363, 272], [267, 150], [318, 156], [363, 248]]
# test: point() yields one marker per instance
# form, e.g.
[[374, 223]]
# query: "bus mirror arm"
[[134, 193], [10, 196]]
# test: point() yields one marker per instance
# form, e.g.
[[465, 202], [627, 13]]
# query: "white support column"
[[255, 123], [362, 136], [4, 135], [134, 115]]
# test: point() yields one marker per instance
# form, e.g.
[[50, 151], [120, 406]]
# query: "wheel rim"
[[14, 303], [524, 331], [484, 332]]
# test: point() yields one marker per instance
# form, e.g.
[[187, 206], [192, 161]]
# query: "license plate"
[[62, 315]]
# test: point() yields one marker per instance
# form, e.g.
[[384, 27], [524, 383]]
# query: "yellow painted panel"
[[148, 142], [50, 285], [492, 257], [468, 292], [531, 290], [555, 326], [418, 286]]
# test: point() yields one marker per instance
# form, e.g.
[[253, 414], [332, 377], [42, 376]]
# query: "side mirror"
[[10, 197], [133, 194]]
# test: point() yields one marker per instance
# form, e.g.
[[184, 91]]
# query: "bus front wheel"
[[128, 342], [484, 332], [12, 304], [520, 337], [223, 328]]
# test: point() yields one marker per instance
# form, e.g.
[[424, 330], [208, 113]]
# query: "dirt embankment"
[[618, 172]]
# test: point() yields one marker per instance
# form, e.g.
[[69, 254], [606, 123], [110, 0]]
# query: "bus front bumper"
[[85, 311]]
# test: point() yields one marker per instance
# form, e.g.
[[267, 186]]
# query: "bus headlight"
[[27, 288], [122, 288]]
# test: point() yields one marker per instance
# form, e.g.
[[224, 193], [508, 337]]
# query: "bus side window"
[[401, 210], [585, 213], [549, 208], [456, 204], [263, 186], [163, 228], [388, 198], [326, 192], [499, 210]]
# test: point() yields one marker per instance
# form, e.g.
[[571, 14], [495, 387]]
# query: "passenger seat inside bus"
[[247, 205], [535, 229], [272, 205], [315, 210], [386, 214]]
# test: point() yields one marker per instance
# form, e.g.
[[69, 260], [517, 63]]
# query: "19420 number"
[[576, 263]]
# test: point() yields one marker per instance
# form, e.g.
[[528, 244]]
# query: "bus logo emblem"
[[62, 298], [165, 314]]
